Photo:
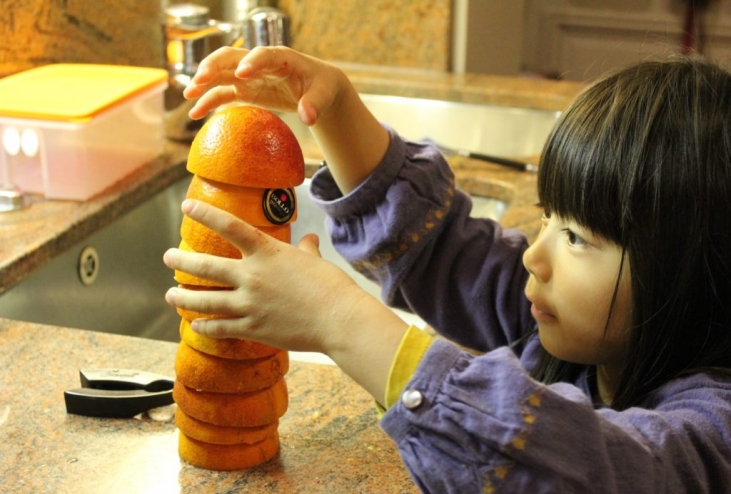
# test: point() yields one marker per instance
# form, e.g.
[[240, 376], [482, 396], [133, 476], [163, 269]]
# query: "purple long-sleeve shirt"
[[483, 425]]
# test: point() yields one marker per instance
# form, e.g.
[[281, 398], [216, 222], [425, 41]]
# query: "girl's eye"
[[573, 238], [545, 212], [545, 217]]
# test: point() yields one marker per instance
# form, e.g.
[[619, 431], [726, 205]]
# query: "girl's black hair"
[[643, 159]]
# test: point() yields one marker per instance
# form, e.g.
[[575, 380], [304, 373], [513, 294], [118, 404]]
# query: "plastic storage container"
[[68, 131]]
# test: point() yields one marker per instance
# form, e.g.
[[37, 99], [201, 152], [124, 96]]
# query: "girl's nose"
[[536, 258]]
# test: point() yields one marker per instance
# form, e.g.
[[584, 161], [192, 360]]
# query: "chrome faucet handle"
[[186, 29], [266, 26]]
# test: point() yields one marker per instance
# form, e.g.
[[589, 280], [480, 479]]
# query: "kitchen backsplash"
[[407, 33], [39, 32]]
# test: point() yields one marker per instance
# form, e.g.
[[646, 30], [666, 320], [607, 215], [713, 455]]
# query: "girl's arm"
[[278, 78], [407, 227]]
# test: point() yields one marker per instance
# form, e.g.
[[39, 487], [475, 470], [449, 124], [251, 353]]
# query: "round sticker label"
[[279, 205]]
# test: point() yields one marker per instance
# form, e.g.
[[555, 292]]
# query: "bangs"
[[576, 181], [587, 165]]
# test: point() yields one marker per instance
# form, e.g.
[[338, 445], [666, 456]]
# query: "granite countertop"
[[522, 92], [330, 439]]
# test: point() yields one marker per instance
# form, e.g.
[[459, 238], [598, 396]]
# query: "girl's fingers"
[[212, 268], [243, 236], [311, 96], [206, 301], [212, 99], [222, 61], [234, 327], [197, 87], [310, 243], [273, 77], [275, 60], [291, 70]]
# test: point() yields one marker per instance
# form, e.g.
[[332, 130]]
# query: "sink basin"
[[495, 130], [115, 280]]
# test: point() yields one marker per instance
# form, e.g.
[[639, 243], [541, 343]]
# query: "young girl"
[[607, 343]]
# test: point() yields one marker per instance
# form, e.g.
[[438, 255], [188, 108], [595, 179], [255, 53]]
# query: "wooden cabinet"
[[580, 39], [487, 36]]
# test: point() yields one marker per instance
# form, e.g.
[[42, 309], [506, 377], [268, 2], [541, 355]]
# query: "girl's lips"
[[538, 309], [540, 314]]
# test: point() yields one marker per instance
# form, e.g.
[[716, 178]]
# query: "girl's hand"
[[276, 78], [287, 297], [280, 293]]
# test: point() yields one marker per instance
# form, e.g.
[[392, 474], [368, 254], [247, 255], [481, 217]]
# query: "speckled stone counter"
[[522, 92], [330, 438]]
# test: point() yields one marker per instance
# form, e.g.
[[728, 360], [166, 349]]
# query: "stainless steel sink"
[[115, 280], [495, 130]]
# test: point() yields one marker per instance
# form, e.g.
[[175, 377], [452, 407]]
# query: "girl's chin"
[[552, 343], [559, 348]]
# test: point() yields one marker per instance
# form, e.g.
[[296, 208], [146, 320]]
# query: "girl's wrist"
[[365, 342]]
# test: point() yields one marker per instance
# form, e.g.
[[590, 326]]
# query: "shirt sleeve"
[[408, 228], [481, 424], [411, 350]]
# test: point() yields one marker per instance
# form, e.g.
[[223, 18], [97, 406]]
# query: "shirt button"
[[412, 398]]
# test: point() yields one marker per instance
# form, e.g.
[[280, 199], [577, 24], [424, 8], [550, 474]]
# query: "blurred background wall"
[[567, 39]]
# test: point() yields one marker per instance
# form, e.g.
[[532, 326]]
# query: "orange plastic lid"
[[73, 92]]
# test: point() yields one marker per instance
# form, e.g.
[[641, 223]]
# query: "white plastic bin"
[[68, 131]]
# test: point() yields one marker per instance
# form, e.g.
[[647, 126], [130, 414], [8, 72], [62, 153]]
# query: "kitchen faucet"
[[187, 30]]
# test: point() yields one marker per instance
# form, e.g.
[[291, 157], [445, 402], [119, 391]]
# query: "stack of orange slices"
[[230, 392]]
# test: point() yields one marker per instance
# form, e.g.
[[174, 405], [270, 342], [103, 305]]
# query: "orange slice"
[[233, 409], [219, 434], [200, 370], [227, 456], [249, 147], [230, 348]]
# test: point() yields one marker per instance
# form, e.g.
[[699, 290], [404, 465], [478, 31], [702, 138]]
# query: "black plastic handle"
[[118, 393], [114, 403]]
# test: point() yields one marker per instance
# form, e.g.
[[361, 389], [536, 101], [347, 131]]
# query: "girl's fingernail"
[[243, 69], [169, 256], [171, 295], [187, 206], [200, 73]]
